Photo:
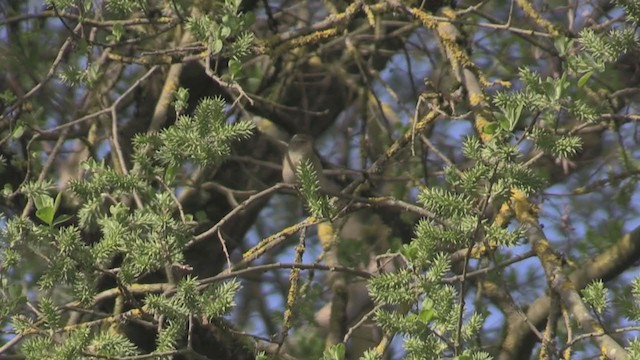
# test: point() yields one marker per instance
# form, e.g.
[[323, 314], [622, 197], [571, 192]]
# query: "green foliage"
[[631, 9], [474, 355], [215, 30], [603, 48], [146, 239], [61, 249], [318, 205], [439, 266], [120, 224], [61, 4], [171, 332], [189, 301], [472, 327], [122, 6], [7, 97], [371, 354], [117, 31], [495, 173], [110, 344], [542, 94], [431, 238], [446, 203], [396, 323], [565, 146], [335, 352], [634, 349], [101, 179], [46, 209], [21, 324], [83, 288], [423, 348], [203, 138], [67, 254], [460, 219], [212, 303], [50, 313], [635, 289], [508, 117], [596, 296], [435, 319], [242, 46], [498, 235], [37, 347], [37, 189], [217, 301], [181, 98], [150, 237], [629, 302], [73, 345], [73, 75], [392, 288]]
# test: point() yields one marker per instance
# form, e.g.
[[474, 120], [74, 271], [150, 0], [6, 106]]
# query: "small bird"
[[300, 148]]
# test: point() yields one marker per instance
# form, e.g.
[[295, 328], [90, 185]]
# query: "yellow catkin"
[[264, 245], [537, 18], [524, 210], [476, 99], [325, 234], [427, 20], [480, 123]]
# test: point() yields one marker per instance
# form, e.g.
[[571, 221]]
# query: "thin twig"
[[243, 205], [115, 104], [45, 169], [280, 266], [360, 322], [224, 249], [52, 69], [235, 86]]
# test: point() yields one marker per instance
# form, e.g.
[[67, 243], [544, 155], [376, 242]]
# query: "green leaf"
[[427, 311], [426, 315], [234, 67], [249, 19], [490, 128], [561, 86], [46, 215], [503, 121], [561, 45], [584, 78], [225, 31], [513, 115], [61, 219], [201, 216], [7, 97], [17, 132], [56, 204], [170, 174], [216, 46], [42, 201], [117, 31]]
